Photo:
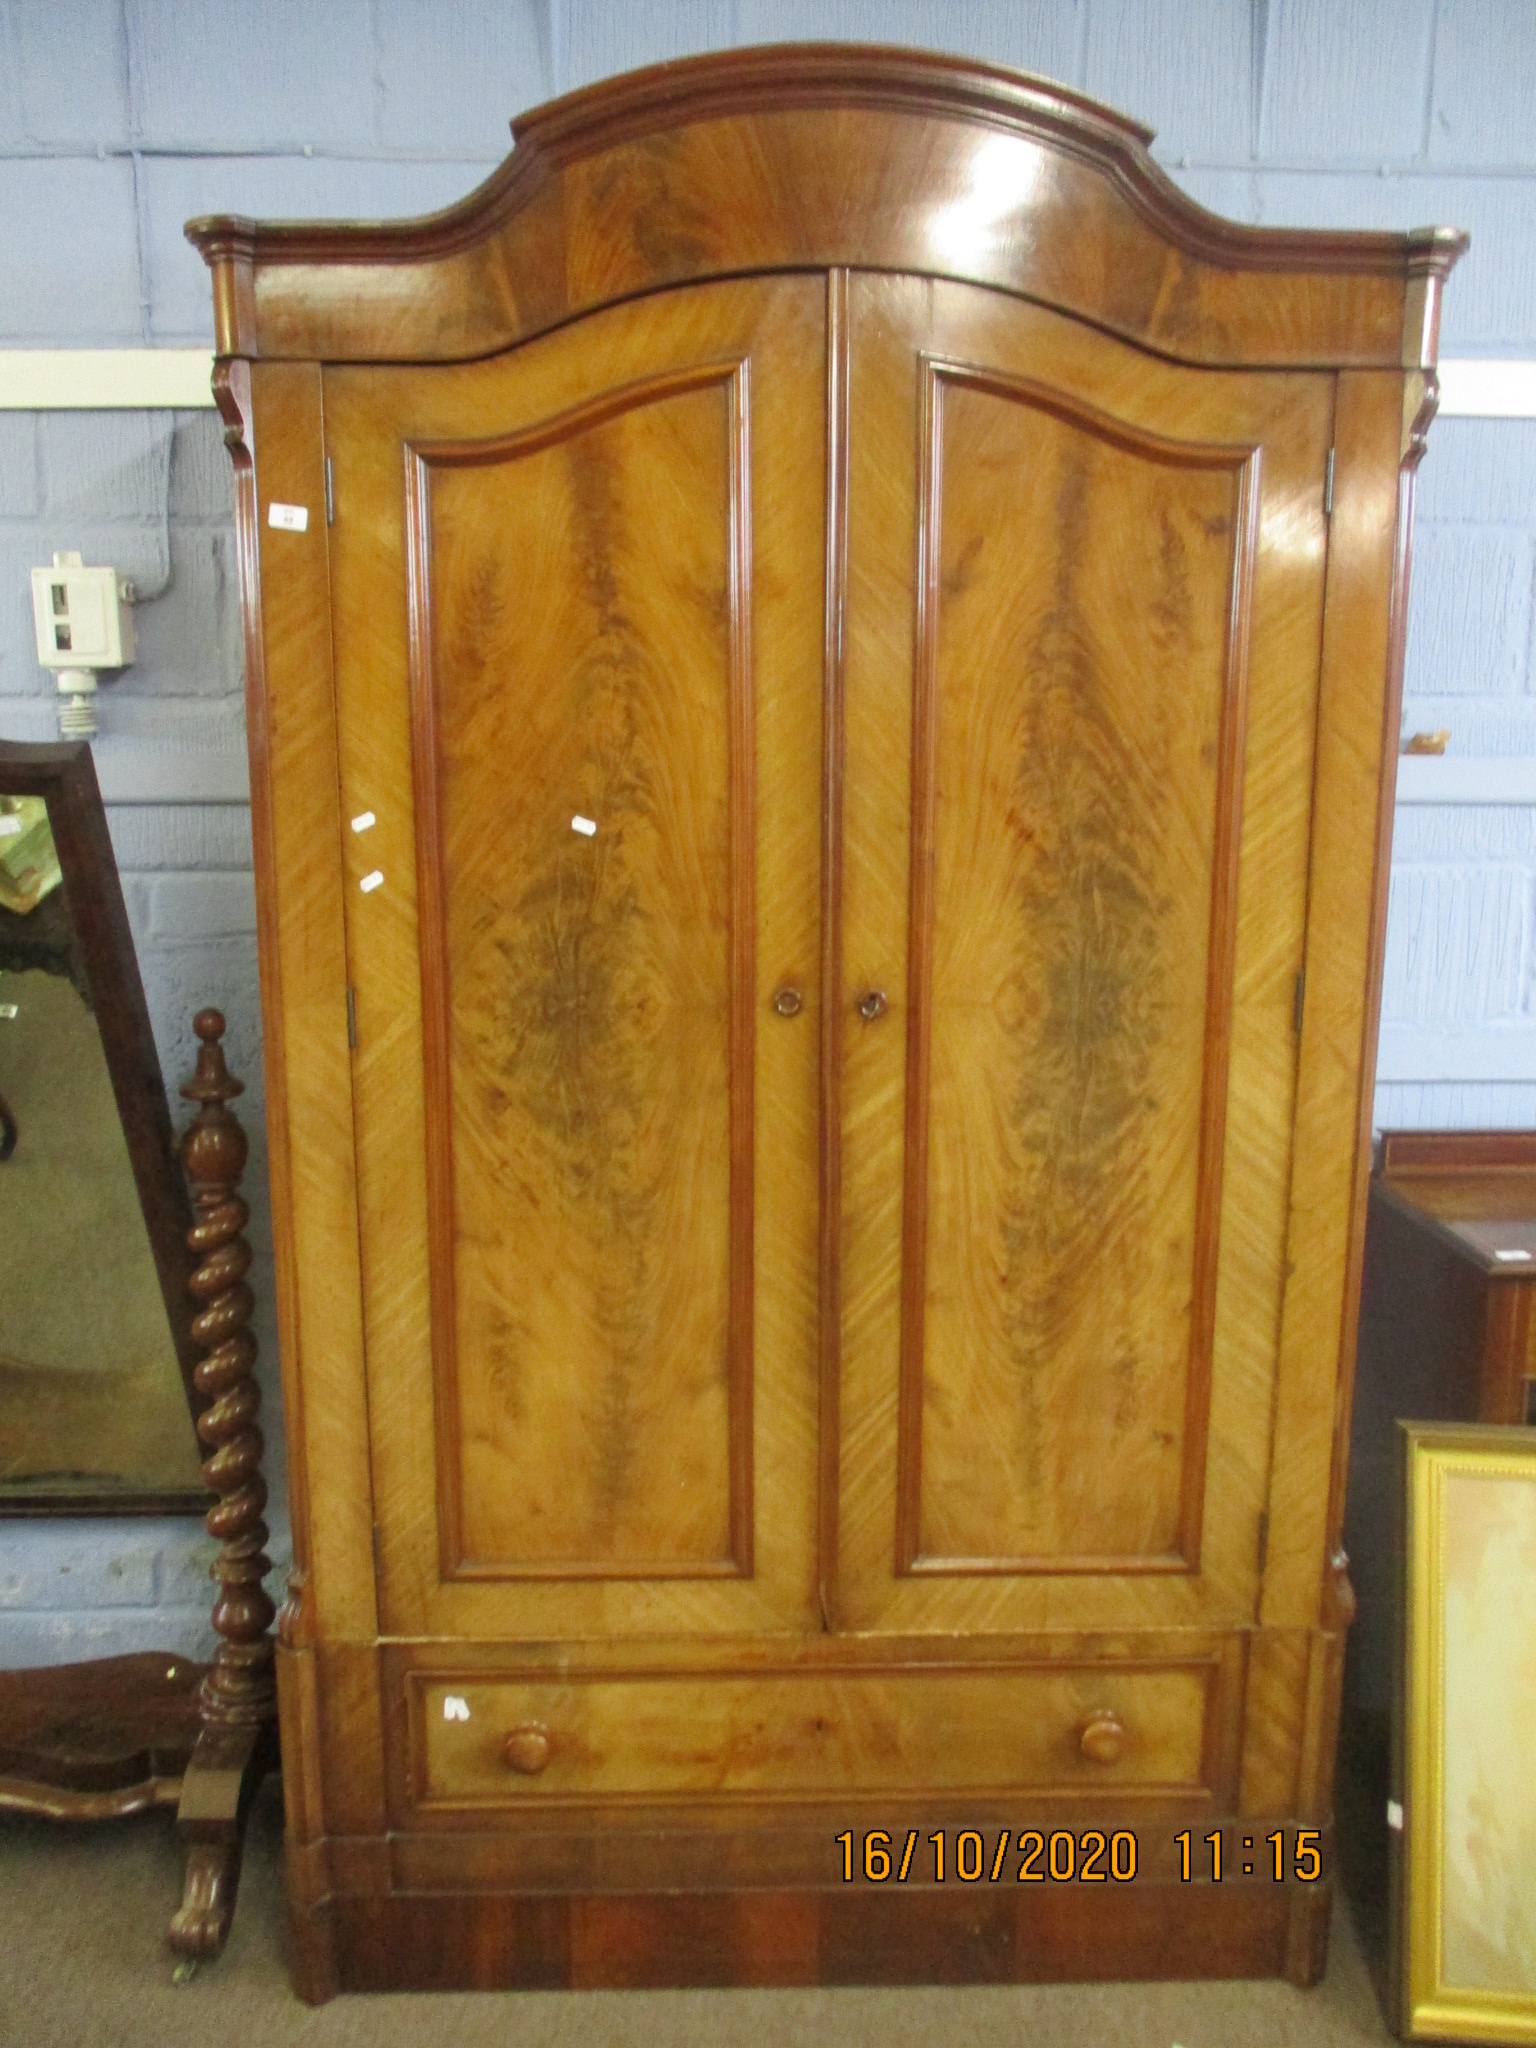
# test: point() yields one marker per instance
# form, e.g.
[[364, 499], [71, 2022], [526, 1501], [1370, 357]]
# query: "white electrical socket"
[[82, 626]]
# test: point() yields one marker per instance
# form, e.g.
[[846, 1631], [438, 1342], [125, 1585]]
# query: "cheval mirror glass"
[[96, 1355]]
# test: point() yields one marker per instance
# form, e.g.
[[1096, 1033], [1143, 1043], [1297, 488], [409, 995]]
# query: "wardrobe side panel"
[[1356, 751], [297, 833]]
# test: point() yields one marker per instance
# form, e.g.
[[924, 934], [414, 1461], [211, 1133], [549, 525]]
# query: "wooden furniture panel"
[[1071, 930], [586, 1060], [96, 1741], [1363, 628], [1107, 597], [295, 824], [833, 1733], [849, 1266], [1465, 1203], [810, 158], [588, 980], [732, 1937]]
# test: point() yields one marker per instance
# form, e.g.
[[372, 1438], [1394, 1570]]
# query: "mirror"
[[96, 1353]]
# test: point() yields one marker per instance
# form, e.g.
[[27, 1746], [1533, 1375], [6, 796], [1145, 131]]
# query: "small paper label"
[[10, 1012], [455, 1709], [1394, 1816], [371, 882], [363, 821], [288, 518], [585, 826], [1514, 1258], [9, 827]]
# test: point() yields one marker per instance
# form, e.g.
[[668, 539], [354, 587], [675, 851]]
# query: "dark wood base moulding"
[[463, 1941]]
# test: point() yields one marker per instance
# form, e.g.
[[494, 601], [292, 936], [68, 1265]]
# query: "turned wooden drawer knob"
[[1103, 1738], [527, 1748]]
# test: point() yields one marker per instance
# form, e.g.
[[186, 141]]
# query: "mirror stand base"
[[237, 1700], [216, 1793], [100, 1740]]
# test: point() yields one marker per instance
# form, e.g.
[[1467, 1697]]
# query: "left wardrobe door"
[[577, 603]]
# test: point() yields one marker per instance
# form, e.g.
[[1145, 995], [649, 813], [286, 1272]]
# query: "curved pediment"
[[813, 156]]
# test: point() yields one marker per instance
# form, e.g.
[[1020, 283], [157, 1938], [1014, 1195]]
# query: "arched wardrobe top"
[[808, 157]]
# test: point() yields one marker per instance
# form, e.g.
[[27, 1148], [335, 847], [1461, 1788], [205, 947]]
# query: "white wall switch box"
[[80, 617], [83, 625]]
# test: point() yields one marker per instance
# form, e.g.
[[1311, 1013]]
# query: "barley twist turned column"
[[238, 1702]]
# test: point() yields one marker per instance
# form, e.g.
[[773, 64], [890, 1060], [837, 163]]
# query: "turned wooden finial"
[[239, 1689]]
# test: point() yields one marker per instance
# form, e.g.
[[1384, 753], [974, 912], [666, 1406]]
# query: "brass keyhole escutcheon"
[[787, 1001], [527, 1748], [872, 1005], [1103, 1737]]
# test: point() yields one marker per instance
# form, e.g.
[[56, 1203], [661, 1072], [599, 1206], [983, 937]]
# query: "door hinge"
[[1263, 1541], [1298, 1001], [351, 1018], [330, 492], [1327, 485]]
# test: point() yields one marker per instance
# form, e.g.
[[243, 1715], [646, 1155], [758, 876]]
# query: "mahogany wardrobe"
[[823, 659]]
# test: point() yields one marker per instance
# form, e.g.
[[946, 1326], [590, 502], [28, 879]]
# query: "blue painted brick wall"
[[120, 118]]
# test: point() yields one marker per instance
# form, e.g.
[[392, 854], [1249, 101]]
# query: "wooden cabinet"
[[1451, 1253], [822, 773]]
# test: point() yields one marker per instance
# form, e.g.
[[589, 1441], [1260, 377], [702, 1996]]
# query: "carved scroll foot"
[[200, 1925], [221, 1781]]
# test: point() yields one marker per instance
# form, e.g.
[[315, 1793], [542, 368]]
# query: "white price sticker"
[[288, 518]]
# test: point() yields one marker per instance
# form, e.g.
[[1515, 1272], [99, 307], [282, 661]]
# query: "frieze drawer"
[[478, 1742]]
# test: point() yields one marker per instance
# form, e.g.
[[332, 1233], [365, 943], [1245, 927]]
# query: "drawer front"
[[477, 1741]]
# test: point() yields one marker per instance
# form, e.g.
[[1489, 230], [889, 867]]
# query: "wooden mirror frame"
[[64, 774]]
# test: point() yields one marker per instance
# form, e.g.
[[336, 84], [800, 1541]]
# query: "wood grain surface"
[[445, 1940], [1069, 971], [812, 1733], [1081, 687], [823, 156], [846, 1272], [585, 781], [296, 822], [588, 1144]]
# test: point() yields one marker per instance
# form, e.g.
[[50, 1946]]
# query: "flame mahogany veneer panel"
[[585, 778], [1077, 748], [815, 156], [580, 585], [1081, 702]]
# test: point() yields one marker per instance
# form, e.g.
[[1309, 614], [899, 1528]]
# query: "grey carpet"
[[83, 1965]]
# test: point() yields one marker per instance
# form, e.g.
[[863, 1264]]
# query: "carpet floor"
[[83, 1965]]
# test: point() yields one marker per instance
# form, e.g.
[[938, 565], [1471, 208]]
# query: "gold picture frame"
[[1464, 1750]]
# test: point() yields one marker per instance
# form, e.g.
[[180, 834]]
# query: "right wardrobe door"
[[1083, 610]]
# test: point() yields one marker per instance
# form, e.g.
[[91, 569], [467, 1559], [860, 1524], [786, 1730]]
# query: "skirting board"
[[101, 379]]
